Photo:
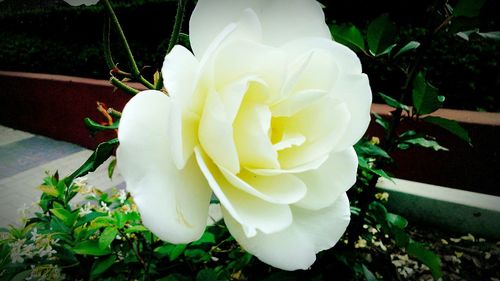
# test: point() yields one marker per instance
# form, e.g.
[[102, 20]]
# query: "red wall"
[[55, 106]]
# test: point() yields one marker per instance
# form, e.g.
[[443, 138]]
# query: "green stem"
[[174, 37], [122, 86], [135, 70], [106, 45]]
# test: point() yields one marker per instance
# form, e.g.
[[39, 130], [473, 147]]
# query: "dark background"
[[50, 36]]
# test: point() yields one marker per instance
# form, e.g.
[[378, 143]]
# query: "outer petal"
[[331, 180], [295, 247], [281, 20], [354, 90], [173, 203]]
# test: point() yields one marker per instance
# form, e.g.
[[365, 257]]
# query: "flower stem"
[[136, 73], [174, 37], [122, 86]]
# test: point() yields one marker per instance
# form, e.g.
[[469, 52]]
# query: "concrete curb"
[[446, 208]]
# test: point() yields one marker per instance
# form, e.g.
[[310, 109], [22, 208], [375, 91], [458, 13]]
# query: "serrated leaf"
[[468, 8], [111, 168], [348, 35], [412, 45], [381, 35], [425, 96], [107, 237], [50, 190], [423, 142], [449, 125], [427, 257], [393, 102], [102, 265], [91, 248]]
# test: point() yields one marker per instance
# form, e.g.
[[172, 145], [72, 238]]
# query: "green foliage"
[[348, 35], [381, 35], [393, 102], [468, 8], [425, 96], [449, 125]]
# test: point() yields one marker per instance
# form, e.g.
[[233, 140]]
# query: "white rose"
[[264, 115]]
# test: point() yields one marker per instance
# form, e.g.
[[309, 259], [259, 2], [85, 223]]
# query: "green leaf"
[[88, 218], [102, 153], [468, 8], [381, 121], [381, 173], [95, 127], [21, 276], [207, 237], [107, 237], [493, 35], [396, 220], [120, 219], [368, 274], [171, 250], [348, 35], [381, 35], [427, 257], [111, 168], [91, 248], [64, 215], [50, 190], [136, 228], [175, 277], [101, 265], [367, 148], [207, 274], [423, 142], [425, 96], [184, 40], [449, 125], [412, 45], [393, 102]]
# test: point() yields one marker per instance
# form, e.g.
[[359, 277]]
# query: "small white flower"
[[122, 196], [16, 254], [104, 207], [85, 209]]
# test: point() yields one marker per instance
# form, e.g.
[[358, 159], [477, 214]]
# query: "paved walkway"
[[24, 159]]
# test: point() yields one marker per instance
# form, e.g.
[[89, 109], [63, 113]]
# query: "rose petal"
[[287, 20], [295, 247], [251, 212], [251, 129], [210, 17], [346, 60], [216, 134], [274, 16], [173, 203], [354, 90], [330, 180], [322, 123], [279, 189]]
